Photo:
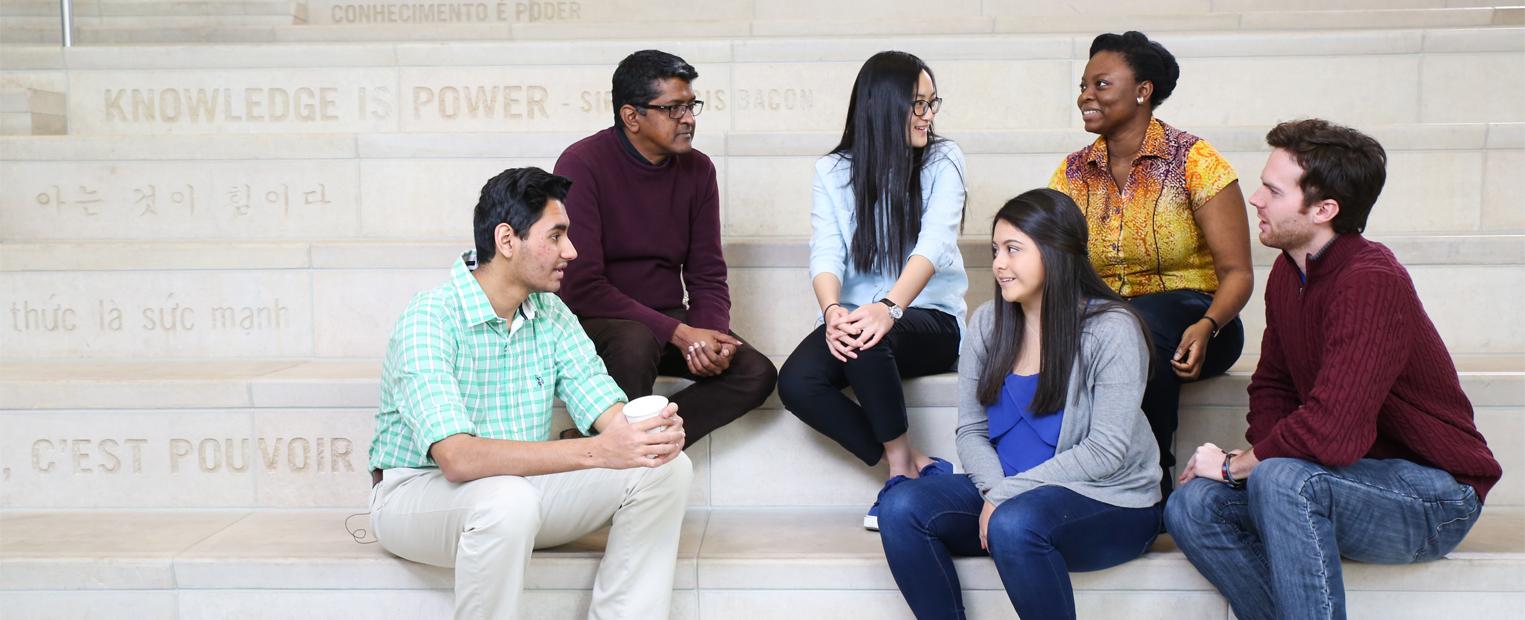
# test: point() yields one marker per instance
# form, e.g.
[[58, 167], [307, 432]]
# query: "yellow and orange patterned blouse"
[[1144, 237]]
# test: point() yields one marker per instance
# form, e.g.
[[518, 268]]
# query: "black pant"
[[923, 342], [634, 359], [1168, 314]]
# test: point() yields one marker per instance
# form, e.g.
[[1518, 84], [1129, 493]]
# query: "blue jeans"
[[1273, 548], [1035, 538], [1168, 314]]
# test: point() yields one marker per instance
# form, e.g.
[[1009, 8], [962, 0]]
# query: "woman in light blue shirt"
[[885, 265]]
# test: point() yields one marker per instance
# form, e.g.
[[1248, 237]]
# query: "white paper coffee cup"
[[645, 407]]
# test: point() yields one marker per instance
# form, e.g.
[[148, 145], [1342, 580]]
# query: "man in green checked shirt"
[[467, 477]]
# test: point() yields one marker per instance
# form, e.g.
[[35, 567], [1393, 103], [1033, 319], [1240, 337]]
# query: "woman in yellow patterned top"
[[1168, 229]]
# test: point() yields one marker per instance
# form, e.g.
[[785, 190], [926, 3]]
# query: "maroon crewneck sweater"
[[1351, 367], [643, 233]]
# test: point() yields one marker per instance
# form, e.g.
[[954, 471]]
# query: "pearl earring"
[[1141, 101]]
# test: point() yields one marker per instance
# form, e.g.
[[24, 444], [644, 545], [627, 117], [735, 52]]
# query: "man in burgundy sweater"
[[645, 212], [1362, 443]]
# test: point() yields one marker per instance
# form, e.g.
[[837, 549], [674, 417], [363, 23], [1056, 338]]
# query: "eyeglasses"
[[675, 110], [919, 107]]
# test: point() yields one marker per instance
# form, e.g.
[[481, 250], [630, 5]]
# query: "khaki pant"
[[487, 528]]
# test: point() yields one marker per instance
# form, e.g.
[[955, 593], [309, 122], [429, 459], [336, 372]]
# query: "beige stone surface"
[[234, 100], [1426, 191], [1503, 191], [319, 549], [935, 48], [791, 96], [181, 200], [704, 54], [354, 311], [1272, 89], [313, 458], [232, 56], [188, 459], [320, 384], [1003, 95], [1296, 42], [1506, 136], [856, 9], [380, 605], [159, 314], [175, 147], [750, 470], [125, 256], [1380, 605], [427, 199], [47, 550], [1352, 19], [873, 27], [769, 196], [528, 98], [995, 179], [772, 308], [66, 605], [1096, 23], [1475, 40], [1463, 88]]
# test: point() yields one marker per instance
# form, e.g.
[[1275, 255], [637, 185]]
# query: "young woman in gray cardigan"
[[1062, 470]]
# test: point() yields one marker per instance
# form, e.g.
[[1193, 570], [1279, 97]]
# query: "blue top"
[[1022, 440], [832, 223]]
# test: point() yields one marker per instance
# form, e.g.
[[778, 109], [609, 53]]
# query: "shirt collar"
[[634, 153], [475, 306], [1328, 258], [1152, 146]]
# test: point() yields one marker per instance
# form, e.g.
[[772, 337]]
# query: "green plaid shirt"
[[453, 366]]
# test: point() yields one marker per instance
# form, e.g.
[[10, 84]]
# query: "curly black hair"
[[1150, 61]]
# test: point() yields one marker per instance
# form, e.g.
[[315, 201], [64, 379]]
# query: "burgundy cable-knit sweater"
[[1351, 367]]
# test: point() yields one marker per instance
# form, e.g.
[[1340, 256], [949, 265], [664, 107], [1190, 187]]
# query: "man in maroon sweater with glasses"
[[645, 212], [1362, 443]]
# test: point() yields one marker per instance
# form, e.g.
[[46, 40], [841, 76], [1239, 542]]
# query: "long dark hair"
[[886, 170], [1072, 293]]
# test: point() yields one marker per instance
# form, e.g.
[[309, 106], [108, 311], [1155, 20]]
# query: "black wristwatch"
[[895, 311]]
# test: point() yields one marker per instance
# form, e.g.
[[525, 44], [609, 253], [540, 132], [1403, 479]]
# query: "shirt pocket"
[[534, 382]]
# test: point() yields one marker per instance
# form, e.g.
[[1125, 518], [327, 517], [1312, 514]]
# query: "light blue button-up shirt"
[[832, 223]]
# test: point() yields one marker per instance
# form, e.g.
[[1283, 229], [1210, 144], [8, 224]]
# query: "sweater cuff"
[[1271, 448], [710, 320], [662, 327]]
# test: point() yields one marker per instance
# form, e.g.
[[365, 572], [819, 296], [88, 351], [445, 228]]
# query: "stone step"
[[340, 300], [226, 435], [137, 35], [32, 112], [732, 564], [335, 20], [82, 9], [766, 84], [1443, 178]]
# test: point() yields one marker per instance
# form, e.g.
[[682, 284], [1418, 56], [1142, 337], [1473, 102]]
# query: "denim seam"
[[1379, 487], [932, 541], [1434, 534], [1434, 537], [1255, 546], [1323, 560]]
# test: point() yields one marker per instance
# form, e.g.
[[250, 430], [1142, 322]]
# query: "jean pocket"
[[1450, 520]]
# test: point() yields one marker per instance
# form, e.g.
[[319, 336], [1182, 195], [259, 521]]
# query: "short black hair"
[[1150, 61], [1339, 164], [636, 77], [516, 197]]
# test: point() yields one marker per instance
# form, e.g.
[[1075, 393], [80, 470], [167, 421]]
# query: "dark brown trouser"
[[635, 359]]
